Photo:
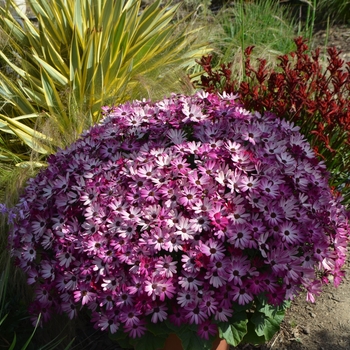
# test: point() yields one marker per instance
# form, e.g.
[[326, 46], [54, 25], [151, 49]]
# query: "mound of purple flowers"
[[179, 210]]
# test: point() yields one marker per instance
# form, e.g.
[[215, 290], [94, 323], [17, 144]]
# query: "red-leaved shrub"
[[300, 89]]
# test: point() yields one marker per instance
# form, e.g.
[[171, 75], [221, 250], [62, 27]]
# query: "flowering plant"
[[191, 216]]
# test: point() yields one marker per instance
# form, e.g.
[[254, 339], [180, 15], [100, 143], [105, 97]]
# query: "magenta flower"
[[179, 211]]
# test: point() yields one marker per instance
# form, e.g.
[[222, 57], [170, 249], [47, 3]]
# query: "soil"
[[338, 36], [324, 325]]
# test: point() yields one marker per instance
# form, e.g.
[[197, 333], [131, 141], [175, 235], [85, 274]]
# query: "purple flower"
[[178, 210]]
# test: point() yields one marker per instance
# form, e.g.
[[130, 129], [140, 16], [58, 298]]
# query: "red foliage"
[[300, 90]]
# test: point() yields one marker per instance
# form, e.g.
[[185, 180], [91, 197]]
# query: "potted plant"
[[190, 216]]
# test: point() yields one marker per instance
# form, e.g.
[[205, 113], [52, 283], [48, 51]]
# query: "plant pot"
[[173, 343]]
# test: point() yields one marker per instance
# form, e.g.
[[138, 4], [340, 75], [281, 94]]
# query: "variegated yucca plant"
[[82, 54]]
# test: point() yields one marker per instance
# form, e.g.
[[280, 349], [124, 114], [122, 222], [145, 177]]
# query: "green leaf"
[[123, 343], [234, 331], [11, 93], [15, 29], [17, 126], [267, 320], [14, 341], [31, 164], [54, 74], [78, 20], [53, 101], [24, 347], [36, 97], [158, 328], [192, 341], [149, 342], [53, 55], [251, 337], [121, 338]]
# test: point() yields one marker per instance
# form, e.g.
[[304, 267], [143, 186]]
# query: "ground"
[[338, 36], [324, 325]]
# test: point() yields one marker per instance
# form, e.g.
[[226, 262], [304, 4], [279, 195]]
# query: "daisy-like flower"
[[242, 294], [239, 236], [90, 227], [167, 289], [84, 295], [150, 194], [200, 223], [33, 276], [108, 321], [39, 226], [153, 287], [176, 136], [184, 229], [70, 308], [238, 269], [248, 183], [159, 239], [193, 113], [107, 302], [47, 270], [158, 313], [289, 233], [174, 243], [65, 258], [207, 329], [43, 295], [202, 205], [216, 278], [166, 267], [213, 249], [274, 214], [130, 317], [145, 171], [218, 220], [209, 304], [190, 262], [234, 181], [135, 330], [223, 314], [195, 314], [89, 196], [188, 281], [199, 181], [251, 133], [29, 253], [268, 187], [188, 196]]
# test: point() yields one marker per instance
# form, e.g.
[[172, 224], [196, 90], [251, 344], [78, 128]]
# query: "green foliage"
[[255, 323], [267, 319], [263, 23], [94, 53], [235, 330], [52, 345], [335, 10], [156, 335]]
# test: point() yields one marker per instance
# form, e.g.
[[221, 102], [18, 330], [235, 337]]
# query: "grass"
[[335, 10], [264, 24]]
